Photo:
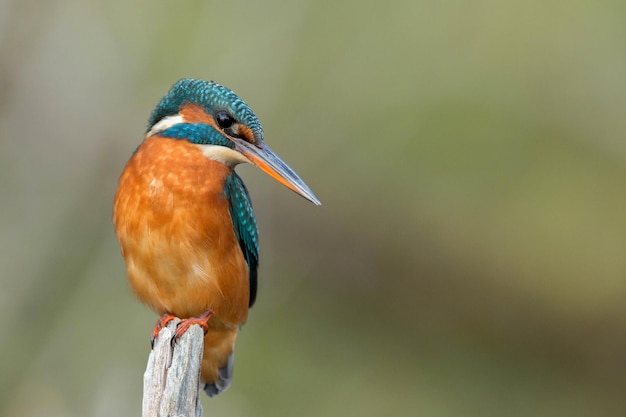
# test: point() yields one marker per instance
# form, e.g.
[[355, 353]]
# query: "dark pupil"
[[224, 120]]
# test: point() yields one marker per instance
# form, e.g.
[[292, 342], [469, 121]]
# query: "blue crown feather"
[[210, 95]]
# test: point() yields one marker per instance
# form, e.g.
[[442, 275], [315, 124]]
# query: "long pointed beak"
[[272, 165]]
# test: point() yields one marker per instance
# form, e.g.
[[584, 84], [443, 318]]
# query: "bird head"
[[215, 118]]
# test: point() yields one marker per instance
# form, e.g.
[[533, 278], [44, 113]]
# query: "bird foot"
[[185, 324], [165, 318]]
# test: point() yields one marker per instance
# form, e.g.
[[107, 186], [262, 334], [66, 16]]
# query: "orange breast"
[[173, 223]]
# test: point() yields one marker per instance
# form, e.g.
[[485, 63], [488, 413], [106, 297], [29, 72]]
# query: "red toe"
[[202, 320], [165, 318]]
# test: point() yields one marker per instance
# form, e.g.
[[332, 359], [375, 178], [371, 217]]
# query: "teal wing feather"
[[245, 227]]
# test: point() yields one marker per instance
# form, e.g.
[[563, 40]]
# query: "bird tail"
[[224, 378]]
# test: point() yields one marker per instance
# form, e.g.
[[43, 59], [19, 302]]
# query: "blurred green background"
[[469, 256]]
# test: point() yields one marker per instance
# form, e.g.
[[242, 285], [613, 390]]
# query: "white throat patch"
[[165, 123], [223, 154]]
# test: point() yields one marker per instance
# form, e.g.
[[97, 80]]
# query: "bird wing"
[[245, 227]]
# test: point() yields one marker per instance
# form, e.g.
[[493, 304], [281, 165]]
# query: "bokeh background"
[[469, 256]]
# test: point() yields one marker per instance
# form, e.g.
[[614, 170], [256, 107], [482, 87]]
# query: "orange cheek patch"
[[246, 132], [194, 113]]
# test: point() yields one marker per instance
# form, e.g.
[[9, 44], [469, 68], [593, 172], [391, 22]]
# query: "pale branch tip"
[[171, 383]]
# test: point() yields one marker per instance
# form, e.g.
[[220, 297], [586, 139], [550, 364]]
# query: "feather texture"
[[245, 227]]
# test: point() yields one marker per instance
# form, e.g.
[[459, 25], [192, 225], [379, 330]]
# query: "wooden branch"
[[171, 383]]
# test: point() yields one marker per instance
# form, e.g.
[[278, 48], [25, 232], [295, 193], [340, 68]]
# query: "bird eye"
[[224, 120]]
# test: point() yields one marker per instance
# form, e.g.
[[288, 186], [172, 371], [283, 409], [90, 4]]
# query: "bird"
[[184, 219]]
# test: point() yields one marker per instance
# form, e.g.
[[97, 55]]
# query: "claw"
[[185, 324], [165, 318]]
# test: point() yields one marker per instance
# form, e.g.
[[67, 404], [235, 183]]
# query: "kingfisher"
[[184, 219]]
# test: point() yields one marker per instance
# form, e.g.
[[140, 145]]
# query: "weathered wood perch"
[[171, 383]]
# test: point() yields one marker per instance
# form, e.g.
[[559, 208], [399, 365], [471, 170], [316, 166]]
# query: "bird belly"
[[173, 223]]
